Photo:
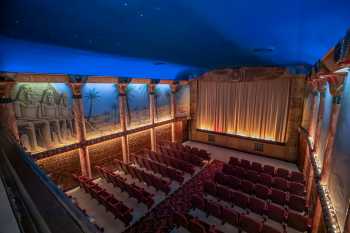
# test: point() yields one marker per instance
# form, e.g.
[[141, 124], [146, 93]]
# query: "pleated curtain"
[[256, 109]]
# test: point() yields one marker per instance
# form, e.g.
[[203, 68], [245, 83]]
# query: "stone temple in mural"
[[44, 116]]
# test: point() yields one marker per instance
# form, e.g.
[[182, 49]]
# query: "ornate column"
[[310, 181], [7, 113], [173, 111], [317, 216], [322, 89], [79, 121], [336, 83], [314, 93], [122, 116], [152, 115]]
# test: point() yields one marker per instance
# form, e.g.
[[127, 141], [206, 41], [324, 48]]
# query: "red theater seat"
[[224, 193], [268, 169], [234, 161], [196, 227], [265, 179], [256, 167], [245, 164], [228, 169], [262, 191], [240, 199], [297, 177], [278, 196], [297, 203], [213, 209], [221, 178], [284, 173], [297, 188], [257, 205], [269, 229], [253, 176], [234, 182], [298, 222], [249, 225], [210, 188], [247, 187], [276, 213], [198, 202], [180, 220], [280, 183], [230, 216]]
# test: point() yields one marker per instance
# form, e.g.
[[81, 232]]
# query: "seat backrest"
[[268, 169], [256, 166], [234, 161], [281, 172], [278, 196], [296, 188], [297, 203], [262, 191], [276, 212], [245, 163], [269, 229], [180, 220], [280, 183], [247, 186], [257, 205], [196, 227], [298, 221], [265, 179], [210, 188], [249, 225], [213, 209], [297, 177]]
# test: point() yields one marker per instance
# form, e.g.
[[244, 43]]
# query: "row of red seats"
[[265, 179], [193, 224], [143, 176], [268, 169], [193, 150], [171, 162], [116, 207], [158, 168], [133, 190], [181, 155], [286, 218], [277, 196]]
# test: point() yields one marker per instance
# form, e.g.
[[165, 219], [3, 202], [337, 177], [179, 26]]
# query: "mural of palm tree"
[[129, 96], [92, 96]]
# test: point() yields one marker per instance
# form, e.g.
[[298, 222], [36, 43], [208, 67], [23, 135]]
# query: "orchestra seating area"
[[243, 195]]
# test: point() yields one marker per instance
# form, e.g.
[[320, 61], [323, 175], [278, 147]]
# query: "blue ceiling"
[[196, 33]]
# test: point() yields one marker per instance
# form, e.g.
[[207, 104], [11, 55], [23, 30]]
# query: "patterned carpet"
[[159, 219]]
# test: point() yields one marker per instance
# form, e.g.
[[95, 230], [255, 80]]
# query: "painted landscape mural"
[[101, 109], [44, 115], [162, 102], [137, 105], [183, 100]]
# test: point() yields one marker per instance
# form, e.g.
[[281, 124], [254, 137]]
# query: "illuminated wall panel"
[[139, 141], [44, 115], [325, 124], [137, 105], [163, 133], [103, 154], [162, 102], [101, 109], [183, 100], [61, 167], [340, 165], [181, 131]]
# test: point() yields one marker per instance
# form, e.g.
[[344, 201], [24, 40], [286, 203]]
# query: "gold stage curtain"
[[256, 109]]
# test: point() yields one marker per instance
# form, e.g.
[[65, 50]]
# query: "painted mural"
[[101, 109], [340, 165], [183, 100], [325, 124], [44, 115], [162, 99], [137, 105]]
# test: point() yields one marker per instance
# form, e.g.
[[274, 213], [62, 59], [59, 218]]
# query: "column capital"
[[5, 91], [336, 84], [151, 88], [312, 87], [122, 88], [76, 89]]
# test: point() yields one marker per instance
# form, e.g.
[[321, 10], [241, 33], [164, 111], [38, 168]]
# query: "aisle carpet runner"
[[159, 220]]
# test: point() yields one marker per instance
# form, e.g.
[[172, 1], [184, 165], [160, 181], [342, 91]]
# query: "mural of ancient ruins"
[[162, 99], [183, 100], [44, 115], [101, 109], [137, 105]]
